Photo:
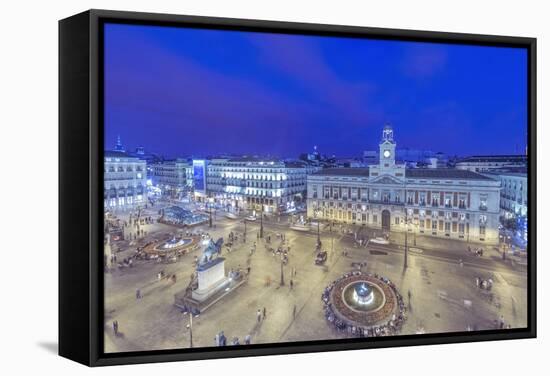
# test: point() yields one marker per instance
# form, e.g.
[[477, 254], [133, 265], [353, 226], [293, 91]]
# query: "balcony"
[[386, 202], [483, 207]]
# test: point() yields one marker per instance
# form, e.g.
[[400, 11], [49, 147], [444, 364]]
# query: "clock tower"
[[387, 147]]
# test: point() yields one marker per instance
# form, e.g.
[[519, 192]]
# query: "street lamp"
[[282, 275], [315, 213], [406, 239], [244, 236], [262, 222], [190, 328]]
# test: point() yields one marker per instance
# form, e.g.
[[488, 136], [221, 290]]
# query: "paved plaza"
[[438, 286]]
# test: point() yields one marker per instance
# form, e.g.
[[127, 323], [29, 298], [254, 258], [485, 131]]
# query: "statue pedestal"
[[211, 279]]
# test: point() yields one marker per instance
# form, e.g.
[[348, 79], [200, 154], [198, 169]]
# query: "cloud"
[[169, 92], [424, 60], [301, 60]]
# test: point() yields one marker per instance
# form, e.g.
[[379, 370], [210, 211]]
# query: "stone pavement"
[[444, 296]]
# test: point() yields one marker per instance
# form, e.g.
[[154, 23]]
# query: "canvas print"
[[265, 188]]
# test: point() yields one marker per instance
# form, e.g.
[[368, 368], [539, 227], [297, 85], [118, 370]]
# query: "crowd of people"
[[387, 320]]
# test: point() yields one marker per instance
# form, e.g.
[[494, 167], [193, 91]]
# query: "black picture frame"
[[81, 197]]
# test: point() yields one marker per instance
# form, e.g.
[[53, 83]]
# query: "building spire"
[[387, 133], [119, 146]]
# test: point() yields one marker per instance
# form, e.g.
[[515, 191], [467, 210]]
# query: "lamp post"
[[316, 212], [262, 222], [244, 236], [191, 329], [406, 239], [210, 216], [282, 283]]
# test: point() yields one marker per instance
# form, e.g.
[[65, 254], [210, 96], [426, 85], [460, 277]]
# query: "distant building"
[[314, 156], [370, 157], [125, 181], [483, 163], [250, 183], [348, 162], [411, 157], [119, 147], [445, 203]]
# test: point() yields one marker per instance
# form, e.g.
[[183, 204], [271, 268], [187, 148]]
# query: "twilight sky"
[[181, 91]]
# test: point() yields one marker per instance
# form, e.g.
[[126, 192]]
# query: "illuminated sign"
[[199, 175]]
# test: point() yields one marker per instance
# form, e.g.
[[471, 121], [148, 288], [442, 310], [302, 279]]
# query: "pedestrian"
[[294, 312], [138, 294], [259, 315], [291, 284], [409, 294], [247, 339], [264, 313], [115, 327]]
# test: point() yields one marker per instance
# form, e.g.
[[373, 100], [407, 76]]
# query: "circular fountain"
[[172, 245], [362, 301], [363, 294], [175, 243]]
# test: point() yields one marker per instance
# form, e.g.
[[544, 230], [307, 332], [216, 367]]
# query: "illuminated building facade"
[[173, 177], [255, 183], [125, 181], [448, 203]]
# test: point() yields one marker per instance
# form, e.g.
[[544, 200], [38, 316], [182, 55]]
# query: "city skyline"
[[163, 84]]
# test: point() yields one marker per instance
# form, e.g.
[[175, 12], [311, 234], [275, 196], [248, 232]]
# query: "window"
[[483, 202]]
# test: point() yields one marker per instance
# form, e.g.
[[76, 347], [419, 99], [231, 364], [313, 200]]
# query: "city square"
[[440, 277], [379, 190]]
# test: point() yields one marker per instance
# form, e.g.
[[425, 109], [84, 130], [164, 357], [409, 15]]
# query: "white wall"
[[28, 310]]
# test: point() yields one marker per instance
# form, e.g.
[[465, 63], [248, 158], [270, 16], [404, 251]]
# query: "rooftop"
[[344, 171], [443, 173], [117, 154], [412, 173], [495, 158]]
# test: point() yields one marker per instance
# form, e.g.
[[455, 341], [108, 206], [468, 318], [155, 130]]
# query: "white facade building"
[[173, 177], [252, 183], [125, 181], [448, 203], [485, 163], [513, 196]]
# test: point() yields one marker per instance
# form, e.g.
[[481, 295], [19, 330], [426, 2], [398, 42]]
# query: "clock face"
[[387, 153]]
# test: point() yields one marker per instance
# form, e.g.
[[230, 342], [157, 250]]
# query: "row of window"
[[422, 225], [122, 169]]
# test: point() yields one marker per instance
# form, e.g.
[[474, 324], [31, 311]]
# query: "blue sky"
[[182, 91]]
